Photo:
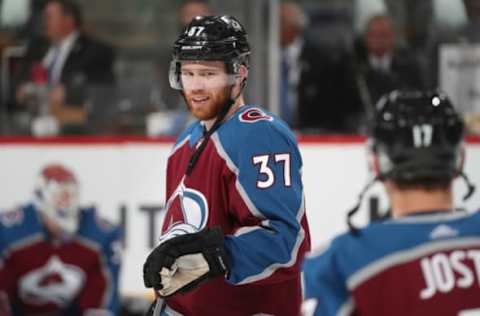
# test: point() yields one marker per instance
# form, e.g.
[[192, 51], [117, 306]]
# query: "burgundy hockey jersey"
[[71, 278], [422, 264], [248, 182]]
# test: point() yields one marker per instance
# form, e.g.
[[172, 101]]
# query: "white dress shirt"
[[382, 63]]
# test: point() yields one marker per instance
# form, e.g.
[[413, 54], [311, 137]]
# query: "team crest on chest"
[[187, 206], [55, 283]]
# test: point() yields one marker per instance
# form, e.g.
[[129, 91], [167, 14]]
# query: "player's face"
[[205, 87]]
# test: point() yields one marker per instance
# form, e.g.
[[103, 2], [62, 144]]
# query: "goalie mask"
[[210, 38], [56, 197]]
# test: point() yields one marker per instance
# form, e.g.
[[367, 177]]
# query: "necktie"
[[51, 65]]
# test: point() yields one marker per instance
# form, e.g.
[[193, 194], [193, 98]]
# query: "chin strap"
[[470, 186], [207, 134], [470, 190], [354, 210]]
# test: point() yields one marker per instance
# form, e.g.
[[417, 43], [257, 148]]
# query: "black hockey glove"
[[184, 262]]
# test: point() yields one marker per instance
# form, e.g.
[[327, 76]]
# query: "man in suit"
[[192, 8], [382, 65], [69, 61], [316, 93]]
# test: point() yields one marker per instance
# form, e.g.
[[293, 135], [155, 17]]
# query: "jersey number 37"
[[267, 178]]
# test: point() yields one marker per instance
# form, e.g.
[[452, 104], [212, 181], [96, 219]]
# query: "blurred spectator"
[[413, 19], [66, 62], [292, 22], [448, 22], [190, 9], [458, 61], [381, 65], [471, 31], [57, 257], [174, 115], [316, 94]]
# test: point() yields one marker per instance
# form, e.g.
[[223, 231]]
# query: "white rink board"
[[132, 174]]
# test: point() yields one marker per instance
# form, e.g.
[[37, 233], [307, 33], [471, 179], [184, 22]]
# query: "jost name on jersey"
[[444, 272]]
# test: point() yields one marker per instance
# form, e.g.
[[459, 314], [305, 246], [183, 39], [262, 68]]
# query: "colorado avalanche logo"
[[254, 115], [55, 283], [187, 206]]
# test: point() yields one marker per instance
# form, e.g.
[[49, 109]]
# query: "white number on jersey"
[[268, 172]]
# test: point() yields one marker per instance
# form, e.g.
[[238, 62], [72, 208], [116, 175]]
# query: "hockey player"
[[424, 261], [235, 230], [58, 258]]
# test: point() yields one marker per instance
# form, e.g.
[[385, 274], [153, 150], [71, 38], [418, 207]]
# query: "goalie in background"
[[235, 230], [424, 261], [58, 258]]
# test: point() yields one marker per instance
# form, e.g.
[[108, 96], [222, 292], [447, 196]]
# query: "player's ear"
[[243, 72]]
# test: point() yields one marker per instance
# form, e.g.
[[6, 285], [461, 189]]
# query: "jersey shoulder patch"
[[12, 217], [19, 223], [253, 115]]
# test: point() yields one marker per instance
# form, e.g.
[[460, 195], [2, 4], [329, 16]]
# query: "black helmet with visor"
[[211, 38]]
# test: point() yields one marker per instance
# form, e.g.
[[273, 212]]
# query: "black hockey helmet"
[[416, 135], [213, 38]]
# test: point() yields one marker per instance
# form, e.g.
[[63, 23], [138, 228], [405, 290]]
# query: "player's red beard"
[[206, 105]]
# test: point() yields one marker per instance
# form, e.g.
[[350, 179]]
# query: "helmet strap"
[[470, 186], [218, 122], [354, 210]]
